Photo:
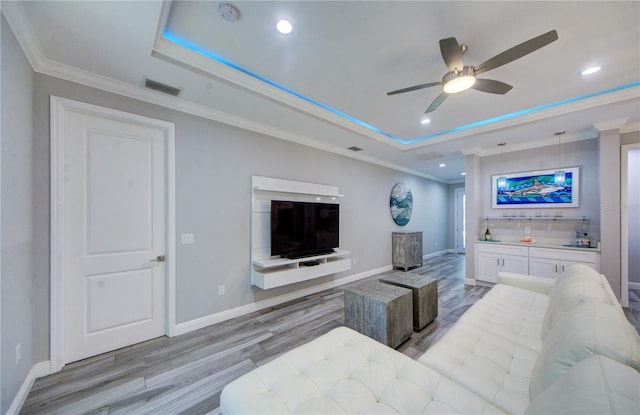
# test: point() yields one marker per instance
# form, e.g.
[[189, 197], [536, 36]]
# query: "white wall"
[[17, 235]]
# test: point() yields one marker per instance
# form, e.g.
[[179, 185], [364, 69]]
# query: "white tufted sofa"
[[531, 345]]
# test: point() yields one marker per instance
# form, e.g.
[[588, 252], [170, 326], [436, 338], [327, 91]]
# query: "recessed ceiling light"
[[425, 120], [284, 26], [590, 70], [441, 165], [463, 173]]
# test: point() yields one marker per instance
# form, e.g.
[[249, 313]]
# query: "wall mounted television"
[[303, 229]]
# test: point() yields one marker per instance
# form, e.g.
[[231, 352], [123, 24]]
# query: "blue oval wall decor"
[[401, 204]]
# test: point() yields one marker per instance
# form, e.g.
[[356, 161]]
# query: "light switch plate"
[[187, 238]]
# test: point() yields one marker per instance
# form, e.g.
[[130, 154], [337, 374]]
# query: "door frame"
[[624, 223], [57, 114], [459, 220]]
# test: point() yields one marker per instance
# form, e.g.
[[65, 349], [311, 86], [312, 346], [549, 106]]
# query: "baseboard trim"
[[37, 371], [435, 254], [470, 281], [188, 326], [634, 285]]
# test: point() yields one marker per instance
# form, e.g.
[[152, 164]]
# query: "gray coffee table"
[[380, 311], [425, 296]]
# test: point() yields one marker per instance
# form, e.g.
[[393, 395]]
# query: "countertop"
[[542, 244]]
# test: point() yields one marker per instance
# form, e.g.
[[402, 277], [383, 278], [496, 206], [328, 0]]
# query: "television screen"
[[300, 229]]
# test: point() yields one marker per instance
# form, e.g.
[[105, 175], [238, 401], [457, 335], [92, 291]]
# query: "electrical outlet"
[[221, 290], [186, 238], [18, 354], [527, 230]]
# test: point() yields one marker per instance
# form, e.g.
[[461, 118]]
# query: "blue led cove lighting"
[[225, 61], [195, 48]]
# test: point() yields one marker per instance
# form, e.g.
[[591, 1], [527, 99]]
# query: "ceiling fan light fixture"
[[458, 81]]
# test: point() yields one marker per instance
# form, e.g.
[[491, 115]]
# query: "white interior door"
[[114, 230]]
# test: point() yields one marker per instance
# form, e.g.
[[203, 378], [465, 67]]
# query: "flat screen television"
[[302, 229]]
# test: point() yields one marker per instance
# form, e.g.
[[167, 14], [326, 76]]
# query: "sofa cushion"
[[596, 385], [346, 372], [513, 313], [579, 283], [487, 364], [589, 328]]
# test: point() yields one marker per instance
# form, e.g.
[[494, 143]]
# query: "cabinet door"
[[544, 267], [517, 264], [488, 267], [414, 248]]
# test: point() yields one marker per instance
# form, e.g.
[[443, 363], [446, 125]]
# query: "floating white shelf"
[[276, 272]]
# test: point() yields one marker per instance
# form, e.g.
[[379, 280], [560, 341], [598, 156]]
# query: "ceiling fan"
[[461, 77]]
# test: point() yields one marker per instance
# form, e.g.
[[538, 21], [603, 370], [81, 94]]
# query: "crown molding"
[[630, 127], [13, 12], [611, 124]]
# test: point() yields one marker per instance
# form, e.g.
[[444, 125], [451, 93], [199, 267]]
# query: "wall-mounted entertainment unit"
[[304, 209]]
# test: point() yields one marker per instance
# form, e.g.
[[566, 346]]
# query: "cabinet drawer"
[[503, 249], [563, 254]]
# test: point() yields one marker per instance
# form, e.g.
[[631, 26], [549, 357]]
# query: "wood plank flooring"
[[185, 374]]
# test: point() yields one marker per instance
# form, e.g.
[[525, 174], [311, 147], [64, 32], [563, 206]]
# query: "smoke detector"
[[228, 12]]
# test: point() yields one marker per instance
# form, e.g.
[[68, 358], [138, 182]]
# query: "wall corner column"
[[610, 203], [472, 209]]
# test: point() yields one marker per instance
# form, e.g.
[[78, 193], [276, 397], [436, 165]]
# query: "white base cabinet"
[[492, 259], [552, 263]]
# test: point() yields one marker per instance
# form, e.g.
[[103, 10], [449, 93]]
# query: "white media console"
[[270, 272]]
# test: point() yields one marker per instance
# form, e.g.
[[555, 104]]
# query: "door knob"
[[159, 258]]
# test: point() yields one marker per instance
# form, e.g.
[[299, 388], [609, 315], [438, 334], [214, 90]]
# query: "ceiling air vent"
[[429, 156], [354, 148], [160, 87]]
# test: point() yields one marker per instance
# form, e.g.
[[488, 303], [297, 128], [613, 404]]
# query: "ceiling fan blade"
[[414, 88], [491, 86], [451, 53], [517, 52], [436, 102]]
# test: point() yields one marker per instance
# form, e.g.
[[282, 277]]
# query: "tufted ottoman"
[[346, 372]]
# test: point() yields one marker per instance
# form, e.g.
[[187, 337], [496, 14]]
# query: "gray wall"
[[17, 235]]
